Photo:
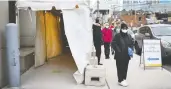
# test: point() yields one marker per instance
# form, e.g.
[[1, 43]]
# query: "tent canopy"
[[77, 24], [48, 4]]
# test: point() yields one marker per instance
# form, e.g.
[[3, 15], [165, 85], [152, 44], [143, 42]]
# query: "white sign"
[[140, 1], [152, 53]]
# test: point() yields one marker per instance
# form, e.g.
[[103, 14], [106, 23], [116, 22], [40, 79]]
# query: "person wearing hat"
[[123, 46]]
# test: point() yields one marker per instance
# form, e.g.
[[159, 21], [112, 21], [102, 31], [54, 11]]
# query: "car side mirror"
[[147, 35]]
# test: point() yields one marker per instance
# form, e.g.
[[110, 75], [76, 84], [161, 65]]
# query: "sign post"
[[151, 53]]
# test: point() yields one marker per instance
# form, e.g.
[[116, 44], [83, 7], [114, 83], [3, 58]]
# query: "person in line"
[[113, 34], [97, 39], [122, 44], [117, 28], [107, 39]]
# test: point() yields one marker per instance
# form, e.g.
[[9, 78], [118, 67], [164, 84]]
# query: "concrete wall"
[[27, 21], [27, 35], [3, 22]]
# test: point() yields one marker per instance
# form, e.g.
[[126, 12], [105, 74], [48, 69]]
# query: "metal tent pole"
[[98, 14]]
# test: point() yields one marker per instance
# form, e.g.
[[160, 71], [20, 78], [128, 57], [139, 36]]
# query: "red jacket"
[[111, 26], [107, 35]]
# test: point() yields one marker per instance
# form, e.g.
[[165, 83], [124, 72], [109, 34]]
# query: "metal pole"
[[12, 11], [45, 35], [12, 44], [135, 14], [98, 14]]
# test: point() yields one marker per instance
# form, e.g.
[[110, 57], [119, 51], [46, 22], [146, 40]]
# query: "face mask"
[[107, 26], [124, 31]]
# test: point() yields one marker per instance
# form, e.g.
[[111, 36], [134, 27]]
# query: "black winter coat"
[[120, 44], [97, 35]]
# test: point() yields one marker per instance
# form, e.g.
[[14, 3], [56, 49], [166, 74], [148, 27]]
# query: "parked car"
[[155, 31]]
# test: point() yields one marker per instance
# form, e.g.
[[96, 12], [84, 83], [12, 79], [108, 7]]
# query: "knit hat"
[[123, 25]]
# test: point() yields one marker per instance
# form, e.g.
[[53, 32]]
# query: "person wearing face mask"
[[113, 34], [122, 43], [107, 39]]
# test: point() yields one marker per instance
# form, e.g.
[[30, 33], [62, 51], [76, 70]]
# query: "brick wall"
[[135, 19]]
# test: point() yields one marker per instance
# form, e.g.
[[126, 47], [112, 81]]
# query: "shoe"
[[112, 53], [123, 83], [107, 58], [100, 64], [126, 82]]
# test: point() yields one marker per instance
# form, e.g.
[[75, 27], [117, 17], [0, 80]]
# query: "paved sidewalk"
[[57, 74], [138, 78]]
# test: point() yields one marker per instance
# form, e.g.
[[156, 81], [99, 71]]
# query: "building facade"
[[138, 4], [148, 5], [109, 4]]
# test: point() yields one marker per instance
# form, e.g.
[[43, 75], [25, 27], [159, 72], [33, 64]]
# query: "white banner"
[[152, 53]]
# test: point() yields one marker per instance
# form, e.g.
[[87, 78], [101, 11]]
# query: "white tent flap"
[[78, 35]]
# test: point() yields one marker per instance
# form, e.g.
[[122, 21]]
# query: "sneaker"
[[123, 83], [126, 82], [100, 64], [106, 57]]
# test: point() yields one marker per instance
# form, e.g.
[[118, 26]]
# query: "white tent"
[[79, 33]]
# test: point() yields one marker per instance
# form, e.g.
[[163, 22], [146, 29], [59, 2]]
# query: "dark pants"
[[107, 49], [98, 51], [112, 50], [122, 67]]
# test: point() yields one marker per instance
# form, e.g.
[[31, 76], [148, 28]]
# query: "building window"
[[140, 19]]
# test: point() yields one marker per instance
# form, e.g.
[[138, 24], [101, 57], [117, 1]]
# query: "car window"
[[142, 30], [148, 30], [135, 31], [162, 31]]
